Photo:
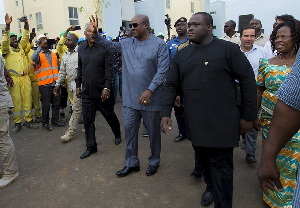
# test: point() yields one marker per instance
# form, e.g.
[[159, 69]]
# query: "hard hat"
[[41, 36]]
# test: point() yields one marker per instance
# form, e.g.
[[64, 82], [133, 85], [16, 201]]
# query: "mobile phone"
[[77, 27], [33, 30], [22, 19]]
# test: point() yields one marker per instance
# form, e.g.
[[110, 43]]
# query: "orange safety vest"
[[46, 74]]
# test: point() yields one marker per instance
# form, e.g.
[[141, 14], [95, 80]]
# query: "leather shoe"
[[117, 140], [207, 198], [126, 170], [250, 159], [47, 127], [88, 152], [179, 138], [151, 170]]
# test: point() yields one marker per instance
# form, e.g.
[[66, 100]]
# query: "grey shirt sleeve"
[[162, 68], [113, 47], [35, 56]]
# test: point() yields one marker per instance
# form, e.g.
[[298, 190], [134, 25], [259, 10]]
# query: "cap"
[[13, 34], [75, 33], [41, 36], [181, 19], [160, 34]]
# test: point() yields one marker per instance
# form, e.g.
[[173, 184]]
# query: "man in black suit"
[[206, 72], [94, 84]]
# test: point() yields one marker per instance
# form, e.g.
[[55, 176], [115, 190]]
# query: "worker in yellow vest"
[[46, 72], [17, 67]]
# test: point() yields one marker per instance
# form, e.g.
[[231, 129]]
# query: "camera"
[[22, 19]]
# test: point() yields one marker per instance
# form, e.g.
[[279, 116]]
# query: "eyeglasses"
[[135, 25], [225, 26]]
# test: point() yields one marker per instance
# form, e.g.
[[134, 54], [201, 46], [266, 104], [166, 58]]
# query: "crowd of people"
[[222, 90]]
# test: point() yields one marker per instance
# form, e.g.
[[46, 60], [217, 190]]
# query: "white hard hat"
[[40, 36]]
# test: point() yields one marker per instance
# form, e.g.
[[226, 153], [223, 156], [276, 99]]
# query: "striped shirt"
[[289, 93]]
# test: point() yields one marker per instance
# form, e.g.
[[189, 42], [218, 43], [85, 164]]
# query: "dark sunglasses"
[[135, 25], [225, 26]]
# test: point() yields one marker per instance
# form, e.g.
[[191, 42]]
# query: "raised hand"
[[8, 19], [94, 24]]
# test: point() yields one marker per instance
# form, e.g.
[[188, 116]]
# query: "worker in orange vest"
[[46, 73]]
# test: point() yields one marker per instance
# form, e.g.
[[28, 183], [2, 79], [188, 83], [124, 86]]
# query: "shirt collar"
[[254, 48]]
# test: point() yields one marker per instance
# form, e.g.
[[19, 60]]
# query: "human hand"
[[257, 124], [246, 126], [78, 92], [268, 175], [165, 124], [105, 95], [55, 91], [32, 36], [8, 19], [94, 24], [177, 101], [145, 97], [71, 28]]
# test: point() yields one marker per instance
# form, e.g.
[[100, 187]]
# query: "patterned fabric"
[[271, 77]]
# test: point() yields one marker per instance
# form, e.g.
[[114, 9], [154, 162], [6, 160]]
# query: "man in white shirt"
[[253, 54], [231, 35], [68, 67], [260, 38]]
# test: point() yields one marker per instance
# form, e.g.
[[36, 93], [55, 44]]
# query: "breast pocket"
[[209, 70]]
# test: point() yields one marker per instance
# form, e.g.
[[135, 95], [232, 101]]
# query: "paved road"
[[52, 175]]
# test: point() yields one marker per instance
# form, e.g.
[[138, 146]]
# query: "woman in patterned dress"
[[285, 39]]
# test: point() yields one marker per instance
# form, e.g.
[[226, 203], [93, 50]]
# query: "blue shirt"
[[289, 93], [144, 66], [173, 45]]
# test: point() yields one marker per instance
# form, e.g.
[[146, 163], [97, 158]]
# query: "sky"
[[265, 10]]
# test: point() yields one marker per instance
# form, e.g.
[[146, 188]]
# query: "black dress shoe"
[[47, 127], [117, 140], [207, 198], [197, 173], [179, 138], [88, 152], [151, 170], [126, 170]]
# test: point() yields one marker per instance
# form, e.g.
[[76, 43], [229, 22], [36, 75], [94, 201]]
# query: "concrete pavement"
[[53, 175]]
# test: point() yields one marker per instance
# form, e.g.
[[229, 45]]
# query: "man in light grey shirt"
[[68, 68], [7, 149], [145, 63]]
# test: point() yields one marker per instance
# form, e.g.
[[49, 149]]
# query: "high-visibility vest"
[[47, 74]]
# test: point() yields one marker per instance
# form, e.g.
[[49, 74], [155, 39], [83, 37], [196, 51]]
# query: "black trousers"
[[63, 97], [48, 98], [218, 173], [89, 107], [180, 119]]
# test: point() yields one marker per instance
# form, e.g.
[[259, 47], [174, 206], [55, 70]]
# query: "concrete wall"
[[179, 8], [155, 9], [218, 7], [113, 17], [55, 14]]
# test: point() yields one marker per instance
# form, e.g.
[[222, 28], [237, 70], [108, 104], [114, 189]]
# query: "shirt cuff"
[[152, 87]]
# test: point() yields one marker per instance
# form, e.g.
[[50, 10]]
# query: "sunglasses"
[[135, 25], [225, 26]]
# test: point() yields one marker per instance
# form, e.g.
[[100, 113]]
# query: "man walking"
[[145, 64], [16, 64], [68, 68], [7, 149], [253, 54], [46, 73], [206, 71], [94, 83]]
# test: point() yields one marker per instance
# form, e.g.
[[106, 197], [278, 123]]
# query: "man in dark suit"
[[94, 84], [206, 72]]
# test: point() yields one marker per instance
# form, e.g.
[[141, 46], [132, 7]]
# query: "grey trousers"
[[250, 139], [77, 109], [132, 121], [7, 149]]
